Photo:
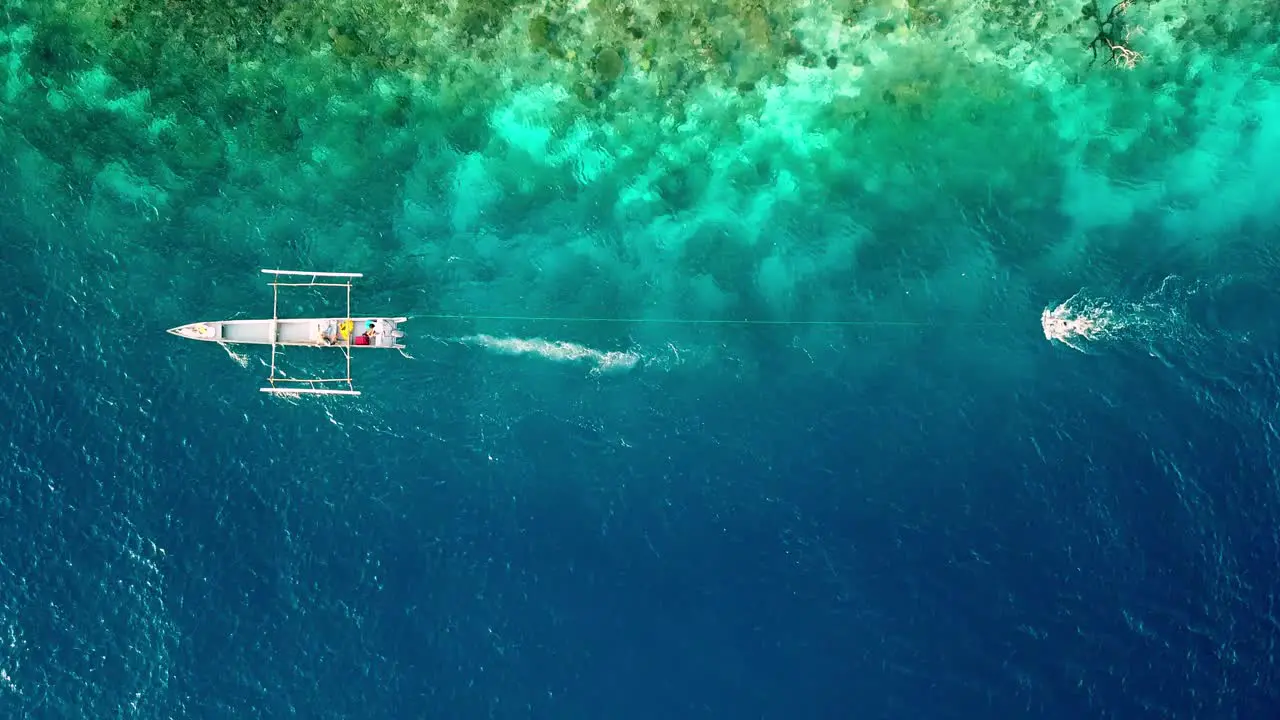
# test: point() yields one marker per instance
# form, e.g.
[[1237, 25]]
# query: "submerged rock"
[[608, 65]]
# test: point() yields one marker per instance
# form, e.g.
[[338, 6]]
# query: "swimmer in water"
[[1061, 325]]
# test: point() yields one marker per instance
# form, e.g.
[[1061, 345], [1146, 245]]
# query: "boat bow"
[[196, 331]]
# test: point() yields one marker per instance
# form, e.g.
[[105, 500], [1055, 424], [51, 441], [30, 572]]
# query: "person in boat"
[[329, 336], [366, 337]]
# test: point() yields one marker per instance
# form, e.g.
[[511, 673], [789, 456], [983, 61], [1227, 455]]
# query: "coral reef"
[[626, 111]]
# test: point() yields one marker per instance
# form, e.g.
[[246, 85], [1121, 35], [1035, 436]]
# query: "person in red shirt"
[[366, 338]]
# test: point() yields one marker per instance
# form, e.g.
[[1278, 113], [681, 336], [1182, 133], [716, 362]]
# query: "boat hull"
[[299, 332]]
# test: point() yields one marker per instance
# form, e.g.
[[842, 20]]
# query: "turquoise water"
[[733, 390]]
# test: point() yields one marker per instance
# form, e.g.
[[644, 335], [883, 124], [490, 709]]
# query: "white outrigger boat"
[[343, 333]]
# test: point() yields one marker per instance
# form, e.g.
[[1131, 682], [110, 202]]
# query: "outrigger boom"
[[345, 332]]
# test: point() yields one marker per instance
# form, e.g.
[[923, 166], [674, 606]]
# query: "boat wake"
[[602, 362]]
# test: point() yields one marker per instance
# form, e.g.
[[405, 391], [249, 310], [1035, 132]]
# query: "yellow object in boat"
[[344, 329]]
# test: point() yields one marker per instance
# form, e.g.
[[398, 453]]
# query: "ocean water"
[[766, 360]]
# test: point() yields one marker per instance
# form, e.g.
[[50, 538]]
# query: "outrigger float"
[[342, 333]]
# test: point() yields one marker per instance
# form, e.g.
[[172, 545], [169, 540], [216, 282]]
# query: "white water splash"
[[1168, 320], [602, 361], [1079, 321]]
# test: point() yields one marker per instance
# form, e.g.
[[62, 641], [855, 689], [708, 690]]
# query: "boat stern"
[[197, 331]]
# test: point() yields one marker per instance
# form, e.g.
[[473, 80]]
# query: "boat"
[[343, 333]]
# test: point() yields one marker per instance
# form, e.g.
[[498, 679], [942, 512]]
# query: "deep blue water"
[[990, 526]]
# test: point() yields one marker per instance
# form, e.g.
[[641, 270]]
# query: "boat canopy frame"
[[308, 386]]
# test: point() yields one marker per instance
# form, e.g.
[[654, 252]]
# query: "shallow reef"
[[425, 123]]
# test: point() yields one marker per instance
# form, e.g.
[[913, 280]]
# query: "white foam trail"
[[1159, 322], [602, 361]]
